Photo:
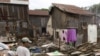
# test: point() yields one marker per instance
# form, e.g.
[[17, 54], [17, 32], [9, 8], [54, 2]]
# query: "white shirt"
[[23, 51]]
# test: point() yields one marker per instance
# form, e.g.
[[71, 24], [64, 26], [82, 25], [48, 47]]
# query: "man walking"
[[23, 50]]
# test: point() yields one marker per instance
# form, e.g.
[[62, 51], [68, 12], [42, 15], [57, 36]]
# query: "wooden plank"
[[12, 11]]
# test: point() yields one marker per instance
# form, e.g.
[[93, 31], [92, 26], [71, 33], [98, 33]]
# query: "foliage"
[[95, 8]]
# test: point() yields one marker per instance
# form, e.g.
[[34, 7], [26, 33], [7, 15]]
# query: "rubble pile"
[[87, 49], [43, 41]]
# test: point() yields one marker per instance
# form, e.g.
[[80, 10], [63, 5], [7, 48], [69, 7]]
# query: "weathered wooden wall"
[[68, 20], [56, 18], [13, 11], [63, 20], [14, 14], [37, 20]]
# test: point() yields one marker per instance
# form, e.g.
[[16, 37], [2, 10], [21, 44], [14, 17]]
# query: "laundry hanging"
[[71, 35]]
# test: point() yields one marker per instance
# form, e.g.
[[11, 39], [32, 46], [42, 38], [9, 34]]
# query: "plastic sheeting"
[[92, 33]]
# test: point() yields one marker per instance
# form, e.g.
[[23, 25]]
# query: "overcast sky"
[[38, 4]]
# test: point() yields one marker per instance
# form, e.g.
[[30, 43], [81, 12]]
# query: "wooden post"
[[34, 33], [20, 25], [54, 35], [59, 42], [14, 29]]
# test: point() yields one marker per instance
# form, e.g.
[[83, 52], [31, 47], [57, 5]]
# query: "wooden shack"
[[14, 17], [70, 16], [39, 19]]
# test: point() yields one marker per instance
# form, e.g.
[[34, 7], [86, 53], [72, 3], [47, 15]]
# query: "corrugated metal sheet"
[[10, 0], [19, 1], [39, 12], [72, 9], [4, 0]]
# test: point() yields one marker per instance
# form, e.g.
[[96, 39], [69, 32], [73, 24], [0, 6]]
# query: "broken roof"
[[72, 9], [39, 12]]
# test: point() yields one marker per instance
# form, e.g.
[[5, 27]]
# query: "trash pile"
[[87, 49], [46, 48]]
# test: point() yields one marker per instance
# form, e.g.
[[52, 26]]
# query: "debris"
[[76, 52], [35, 50], [56, 53], [88, 49], [49, 45]]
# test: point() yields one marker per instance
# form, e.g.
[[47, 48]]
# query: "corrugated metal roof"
[[39, 12], [72, 9], [4, 0], [19, 2]]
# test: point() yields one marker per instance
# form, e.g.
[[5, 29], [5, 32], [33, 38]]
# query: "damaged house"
[[70, 16], [38, 20], [13, 16]]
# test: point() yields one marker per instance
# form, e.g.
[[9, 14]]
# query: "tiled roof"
[[39, 12], [72, 9]]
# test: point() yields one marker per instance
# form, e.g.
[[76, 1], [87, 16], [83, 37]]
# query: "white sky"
[[38, 4]]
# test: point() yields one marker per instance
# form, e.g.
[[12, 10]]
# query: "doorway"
[[43, 29]]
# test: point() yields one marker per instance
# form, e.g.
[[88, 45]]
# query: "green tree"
[[95, 8]]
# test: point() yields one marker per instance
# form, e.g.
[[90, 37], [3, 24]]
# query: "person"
[[22, 49], [3, 46]]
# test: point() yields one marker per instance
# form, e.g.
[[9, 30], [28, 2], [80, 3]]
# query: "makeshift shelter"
[[70, 16]]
